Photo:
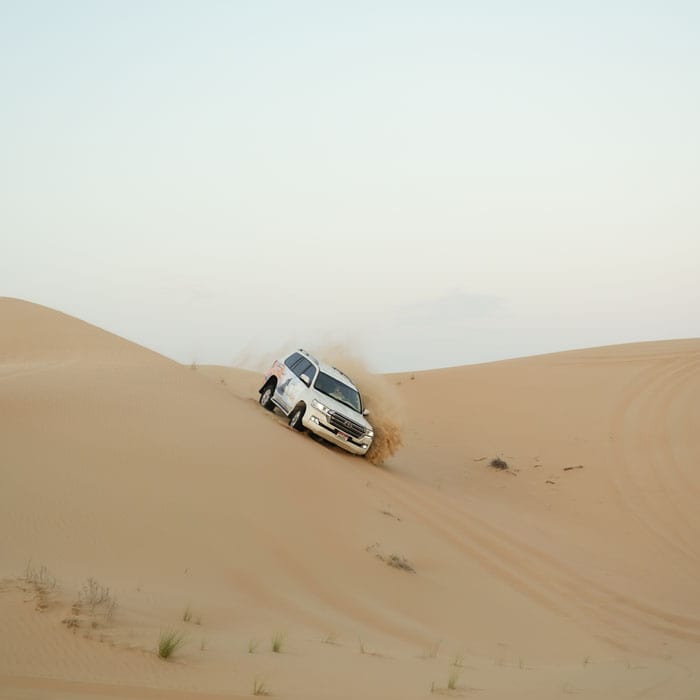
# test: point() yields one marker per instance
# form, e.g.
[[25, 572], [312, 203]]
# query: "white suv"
[[320, 398]]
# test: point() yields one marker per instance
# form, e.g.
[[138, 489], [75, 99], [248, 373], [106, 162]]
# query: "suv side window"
[[306, 368], [295, 357], [301, 366]]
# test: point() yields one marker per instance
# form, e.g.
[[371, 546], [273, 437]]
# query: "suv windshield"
[[339, 391]]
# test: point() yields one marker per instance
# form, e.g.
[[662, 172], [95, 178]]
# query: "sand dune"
[[574, 571]]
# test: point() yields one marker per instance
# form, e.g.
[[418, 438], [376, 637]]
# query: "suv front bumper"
[[317, 422]]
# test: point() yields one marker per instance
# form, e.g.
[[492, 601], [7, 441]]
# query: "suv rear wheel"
[[266, 396]]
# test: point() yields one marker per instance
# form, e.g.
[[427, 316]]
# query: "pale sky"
[[430, 183]]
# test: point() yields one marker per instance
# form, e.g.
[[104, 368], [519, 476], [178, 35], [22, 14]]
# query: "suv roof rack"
[[342, 373], [309, 356]]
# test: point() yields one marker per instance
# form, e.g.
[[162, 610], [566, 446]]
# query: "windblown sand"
[[573, 572]]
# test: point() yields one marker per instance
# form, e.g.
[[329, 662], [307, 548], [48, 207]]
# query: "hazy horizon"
[[428, 186]]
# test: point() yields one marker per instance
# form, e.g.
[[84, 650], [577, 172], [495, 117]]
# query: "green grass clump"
[[169, 642], [277, 642]]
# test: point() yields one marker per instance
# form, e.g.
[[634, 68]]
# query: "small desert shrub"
[[277, 642], [96, 598], [399, 562], [394, 560], [498, 463], [253, 646], [169, 642], [187, 614]]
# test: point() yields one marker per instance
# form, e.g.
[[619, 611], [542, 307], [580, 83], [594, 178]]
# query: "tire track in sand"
[[555, 584], [652, 484]]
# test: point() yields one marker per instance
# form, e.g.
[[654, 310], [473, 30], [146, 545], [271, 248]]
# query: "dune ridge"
[[574, 570]]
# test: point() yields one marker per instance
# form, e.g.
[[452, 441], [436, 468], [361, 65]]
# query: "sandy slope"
[[174, 489]]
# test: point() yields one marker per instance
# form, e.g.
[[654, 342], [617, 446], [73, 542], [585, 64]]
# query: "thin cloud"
[[451, 309]]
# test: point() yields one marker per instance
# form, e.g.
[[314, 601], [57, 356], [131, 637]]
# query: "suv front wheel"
[[295, 419]]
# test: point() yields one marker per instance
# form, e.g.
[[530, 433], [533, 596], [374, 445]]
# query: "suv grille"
[[338, 420]]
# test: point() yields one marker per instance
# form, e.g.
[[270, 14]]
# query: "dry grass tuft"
[[431, 651], [454, 672], [187, 614], [331, 638], [40, 577], [259, 687], [453, 677], [43, 584]]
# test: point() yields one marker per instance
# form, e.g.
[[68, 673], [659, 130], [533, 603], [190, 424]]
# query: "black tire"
[[266, 396], [295, 419]]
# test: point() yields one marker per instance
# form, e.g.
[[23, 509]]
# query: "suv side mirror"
[[305, 378], [365, 412]]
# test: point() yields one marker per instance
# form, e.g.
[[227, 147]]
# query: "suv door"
[[284, 378], [292, 388]]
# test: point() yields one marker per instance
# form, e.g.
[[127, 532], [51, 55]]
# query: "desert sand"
[[139, 495]]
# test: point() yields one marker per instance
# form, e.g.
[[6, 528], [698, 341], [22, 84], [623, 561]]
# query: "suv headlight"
[[369, 433], [321, 407]]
